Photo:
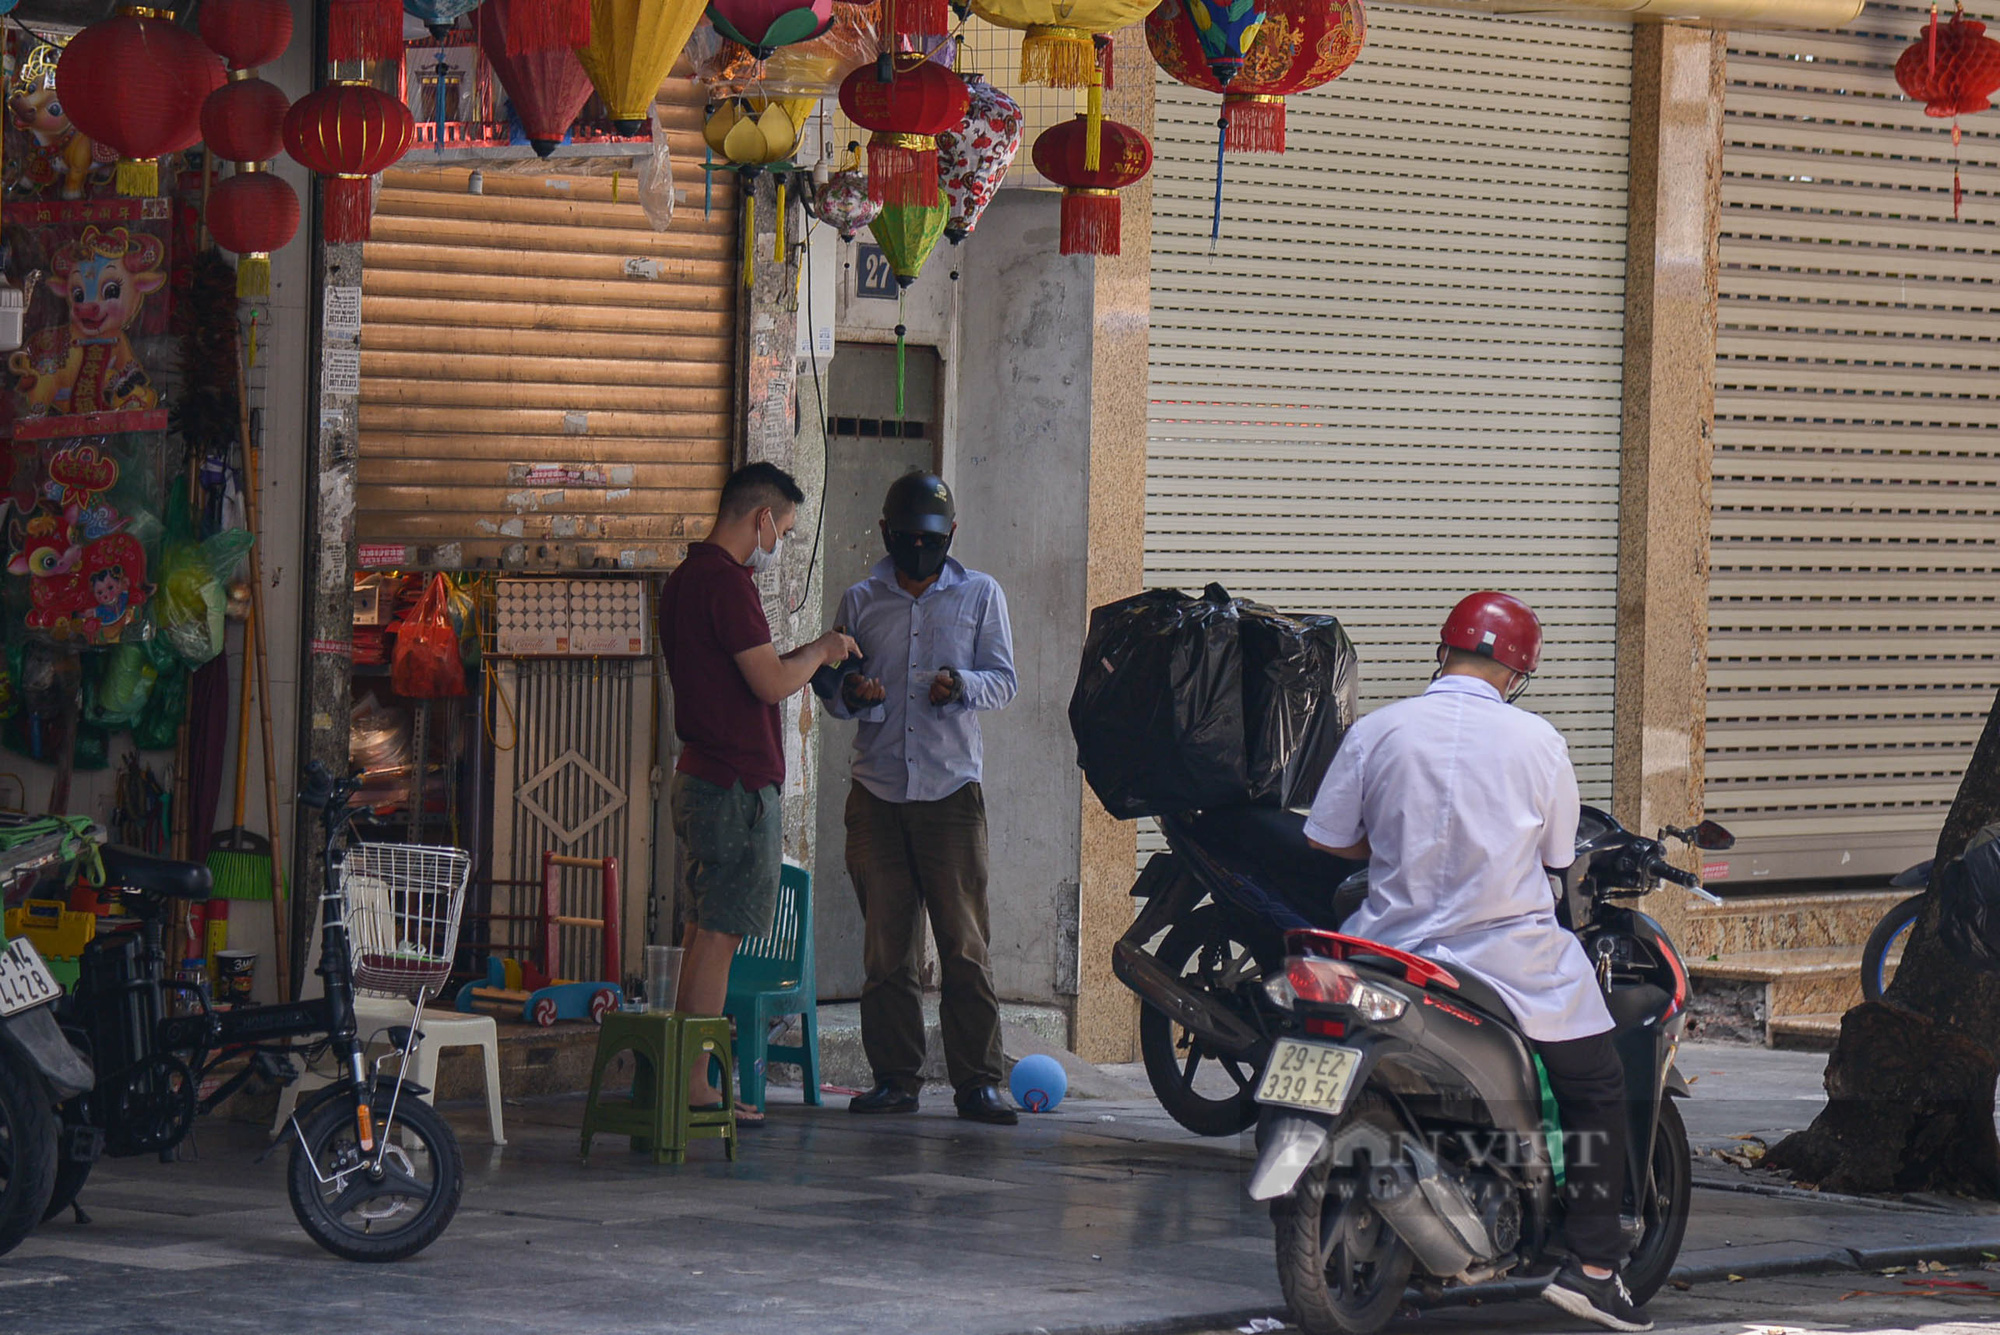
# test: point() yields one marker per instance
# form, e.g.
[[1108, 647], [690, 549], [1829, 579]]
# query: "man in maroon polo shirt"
[[728, 682]]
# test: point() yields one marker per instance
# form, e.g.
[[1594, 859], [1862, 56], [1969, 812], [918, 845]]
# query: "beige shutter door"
[[1397, 378], [1855, 559], [545, 380]]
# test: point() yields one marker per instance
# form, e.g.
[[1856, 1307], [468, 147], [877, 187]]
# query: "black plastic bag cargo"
[[1969, 901], [1158, 708], [1300, 688]]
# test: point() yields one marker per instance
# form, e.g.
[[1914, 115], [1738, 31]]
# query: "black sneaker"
[[1605, 1301]]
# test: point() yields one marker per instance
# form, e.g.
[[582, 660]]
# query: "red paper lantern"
[[1303, 44], [348, 131], [1954, 71], [548, 88], [245, 33], [1091, 216], [252, 214], [243, 121], [136, 85], [921, 100]]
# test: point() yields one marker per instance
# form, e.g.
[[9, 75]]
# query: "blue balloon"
[[1039, 1083]]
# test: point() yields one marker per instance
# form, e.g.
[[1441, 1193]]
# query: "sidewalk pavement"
[[1102, 1216]]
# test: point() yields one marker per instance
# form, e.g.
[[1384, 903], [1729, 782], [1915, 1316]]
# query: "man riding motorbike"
[[1459, 801]]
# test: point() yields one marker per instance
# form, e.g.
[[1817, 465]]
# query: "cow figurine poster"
[[99, 317], [83, 514]]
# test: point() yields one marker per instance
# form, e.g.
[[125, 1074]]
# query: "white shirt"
[[1464, 799]]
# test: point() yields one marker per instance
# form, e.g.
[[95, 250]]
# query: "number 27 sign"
[[872, 275]]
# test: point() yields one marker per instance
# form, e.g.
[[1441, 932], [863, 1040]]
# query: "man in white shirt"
[[1459, 801]]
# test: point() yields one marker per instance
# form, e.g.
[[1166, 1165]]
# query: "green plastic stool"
[[664, 1049]]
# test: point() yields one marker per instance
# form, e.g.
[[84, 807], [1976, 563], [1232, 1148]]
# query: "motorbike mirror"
[[1711, 836]]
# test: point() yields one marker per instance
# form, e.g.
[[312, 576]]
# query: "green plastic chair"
[[772, 976]]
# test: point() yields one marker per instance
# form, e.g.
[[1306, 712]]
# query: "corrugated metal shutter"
[[1398, 377], [1855, 559], [540, 370]]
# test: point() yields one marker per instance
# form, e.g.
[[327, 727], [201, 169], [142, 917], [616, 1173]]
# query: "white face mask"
[[761, 560]]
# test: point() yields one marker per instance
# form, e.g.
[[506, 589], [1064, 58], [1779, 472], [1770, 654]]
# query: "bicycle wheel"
[[27, 1153], [1885, 946], [386, 1215]]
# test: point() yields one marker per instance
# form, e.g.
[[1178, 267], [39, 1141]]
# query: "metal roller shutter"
[[546, 380], [1855, 558], [1398, 377]]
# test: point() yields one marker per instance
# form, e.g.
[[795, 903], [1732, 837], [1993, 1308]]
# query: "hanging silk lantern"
[[815, 66], [136, 84], [907, 233], [749, 140], [243, 121], [1301, 44], [1954, 71], [842, 203], [1091, 216], [633, 44], [548, 25], [245, 33], [252, 214], [364, 29], [765, 25], [1060, 47], [974, 156], [1225, 29], [547, 88], [439, 16], [348, 131], [907, 112]]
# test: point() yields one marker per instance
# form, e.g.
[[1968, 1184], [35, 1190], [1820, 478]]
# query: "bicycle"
[[375, 1172]]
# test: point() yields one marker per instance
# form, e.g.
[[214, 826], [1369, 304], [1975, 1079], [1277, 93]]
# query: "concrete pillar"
[[1670, 319], [1107, 1015]]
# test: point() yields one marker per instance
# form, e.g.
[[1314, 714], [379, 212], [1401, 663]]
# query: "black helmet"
[[919, 502]]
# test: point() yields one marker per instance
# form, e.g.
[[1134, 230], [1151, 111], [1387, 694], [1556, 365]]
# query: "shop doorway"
[[869, 445]]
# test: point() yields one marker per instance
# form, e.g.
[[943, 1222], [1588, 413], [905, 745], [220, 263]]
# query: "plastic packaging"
[[1301, 688], [427, 664], [1158, 708], [1969, 901], [122, 689], [656, 180], [378, 744], [1188, 703], [194, 593]]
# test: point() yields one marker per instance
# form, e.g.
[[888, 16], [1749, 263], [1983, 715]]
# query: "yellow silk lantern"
[[633, 43], [1058, 48], [765, 134]]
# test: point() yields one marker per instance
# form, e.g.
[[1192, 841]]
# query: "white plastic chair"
[[441, 1029]]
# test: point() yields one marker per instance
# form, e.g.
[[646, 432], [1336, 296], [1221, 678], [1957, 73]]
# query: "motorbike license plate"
[[1313, 1076], [25, 982]]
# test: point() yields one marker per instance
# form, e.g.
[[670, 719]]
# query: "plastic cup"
[[663, 977]]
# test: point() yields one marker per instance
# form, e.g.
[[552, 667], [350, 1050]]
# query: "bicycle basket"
[[403, 905]]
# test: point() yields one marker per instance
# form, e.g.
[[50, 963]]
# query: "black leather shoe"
[[884, 1098], [984, 1103]]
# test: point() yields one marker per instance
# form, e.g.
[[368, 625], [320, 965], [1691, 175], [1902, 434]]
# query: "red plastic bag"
[[427, 665]]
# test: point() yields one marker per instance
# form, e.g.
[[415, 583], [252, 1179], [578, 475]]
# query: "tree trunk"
[[1910, 1082]]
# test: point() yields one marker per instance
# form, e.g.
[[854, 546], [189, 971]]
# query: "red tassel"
[[919, 18], [901, 175], [1090, 222], [547, 25], [350, 207], [364, 30], [1256, 125]]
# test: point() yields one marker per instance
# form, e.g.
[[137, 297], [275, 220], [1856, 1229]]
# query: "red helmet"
[[1497, 625]]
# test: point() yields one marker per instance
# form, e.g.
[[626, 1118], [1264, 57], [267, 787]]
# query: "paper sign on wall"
[[343, 310], [341, 371]]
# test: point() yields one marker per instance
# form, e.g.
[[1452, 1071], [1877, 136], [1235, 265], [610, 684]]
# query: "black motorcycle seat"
[[129, 869], [1268, 845]]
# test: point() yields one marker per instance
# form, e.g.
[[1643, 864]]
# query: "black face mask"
[[918, 555]]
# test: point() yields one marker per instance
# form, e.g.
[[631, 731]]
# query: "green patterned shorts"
[[734, 849]]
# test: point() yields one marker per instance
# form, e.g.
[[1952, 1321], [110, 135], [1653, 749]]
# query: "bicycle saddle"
[[129, 869]]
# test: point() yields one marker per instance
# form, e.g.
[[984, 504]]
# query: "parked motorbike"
[[1884, 950], [1406, 1129], [375, 1172]]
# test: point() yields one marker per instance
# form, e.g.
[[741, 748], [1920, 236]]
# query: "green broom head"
[[240, 862]]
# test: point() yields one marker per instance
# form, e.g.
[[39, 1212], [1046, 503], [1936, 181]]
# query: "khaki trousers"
[[909, 858]]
